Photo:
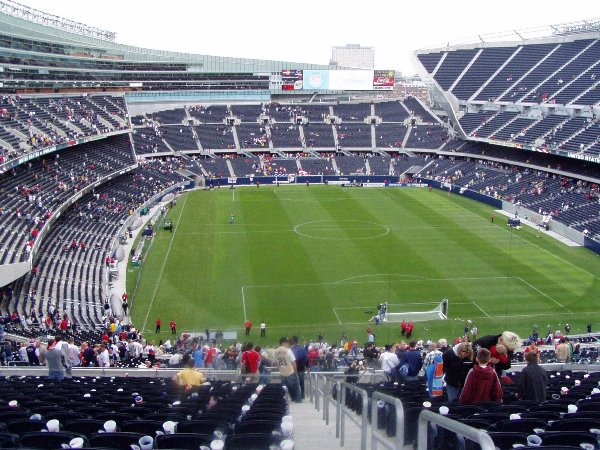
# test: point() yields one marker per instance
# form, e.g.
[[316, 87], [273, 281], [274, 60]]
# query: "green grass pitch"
[[315, 260]]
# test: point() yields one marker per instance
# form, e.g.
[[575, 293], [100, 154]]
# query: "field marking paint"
[[544, 294], [162, 269], [374, 281], [529, 242], [291, 230], [233, 195], [480, 309], [392, 304], [334, 226], [337, 317], [244, 305]]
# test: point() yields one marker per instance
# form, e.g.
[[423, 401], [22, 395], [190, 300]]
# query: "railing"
[[344, 412], [377, 436], [426, 417]]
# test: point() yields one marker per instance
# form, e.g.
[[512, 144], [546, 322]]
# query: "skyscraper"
[[354, 56]]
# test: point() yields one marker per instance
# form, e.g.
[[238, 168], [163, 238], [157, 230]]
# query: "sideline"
[[162, 269]]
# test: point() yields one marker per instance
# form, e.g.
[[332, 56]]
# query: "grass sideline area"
[[318, 259]]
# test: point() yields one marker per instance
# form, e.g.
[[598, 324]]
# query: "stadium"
[[162, 208]]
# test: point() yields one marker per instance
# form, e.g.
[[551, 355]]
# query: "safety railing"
[[344, 412], [378, 436], [426, 417]]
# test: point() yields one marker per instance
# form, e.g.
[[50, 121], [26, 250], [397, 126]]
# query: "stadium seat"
[[568, 438], [253, 441], [184, 441], [53, 440], [119, 441]]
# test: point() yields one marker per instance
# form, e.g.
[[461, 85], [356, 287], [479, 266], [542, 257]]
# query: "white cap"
[[110, 426], [53, 425], [217, 444], [286, 444], [444, 410], [515, 416]]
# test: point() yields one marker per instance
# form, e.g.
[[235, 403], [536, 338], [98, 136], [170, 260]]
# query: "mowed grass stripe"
[[432, 235]]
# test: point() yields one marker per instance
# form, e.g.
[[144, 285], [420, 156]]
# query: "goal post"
[[440, 312]]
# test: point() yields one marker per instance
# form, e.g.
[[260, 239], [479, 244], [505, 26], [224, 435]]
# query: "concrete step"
[[310, 431]]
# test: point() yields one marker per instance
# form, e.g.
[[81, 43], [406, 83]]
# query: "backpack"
[[403, 371], [435, 377]]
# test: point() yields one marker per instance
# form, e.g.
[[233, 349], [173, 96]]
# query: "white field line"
[[530, 243], [329, 283], [162, 269], [544, 294], [336, 316], [244, 304], [480, 309]]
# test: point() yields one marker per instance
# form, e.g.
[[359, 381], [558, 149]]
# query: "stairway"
[[310, 431]]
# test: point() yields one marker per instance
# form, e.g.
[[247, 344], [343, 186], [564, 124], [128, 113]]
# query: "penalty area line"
[[544, 294], [480, 309], [337, 317]]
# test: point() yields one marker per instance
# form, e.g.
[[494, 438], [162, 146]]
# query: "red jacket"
[[482, 385]]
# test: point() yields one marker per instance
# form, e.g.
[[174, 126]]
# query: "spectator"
[[457, 363], [509, 339], [286, 363], [412, 358], [389, 362], [563, 351], [301, 356], [188, 377], [533, 380], [54, 360], [251, 361], [482, 383]]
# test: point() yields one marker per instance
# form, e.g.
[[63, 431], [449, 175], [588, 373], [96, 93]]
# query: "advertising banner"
[[383, 80]]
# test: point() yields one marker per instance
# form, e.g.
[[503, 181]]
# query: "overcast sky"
[[305, 31]]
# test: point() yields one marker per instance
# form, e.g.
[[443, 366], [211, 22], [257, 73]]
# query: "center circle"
[[342, 230]]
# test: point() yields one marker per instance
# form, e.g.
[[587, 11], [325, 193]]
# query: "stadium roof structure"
[[497, 88], [42, 53]]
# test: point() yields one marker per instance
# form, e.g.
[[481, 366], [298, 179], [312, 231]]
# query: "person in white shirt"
[[103, 357], [73, 353], [389, 362]]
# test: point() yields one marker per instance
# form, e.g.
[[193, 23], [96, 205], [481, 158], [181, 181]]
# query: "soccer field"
[[317, 260]]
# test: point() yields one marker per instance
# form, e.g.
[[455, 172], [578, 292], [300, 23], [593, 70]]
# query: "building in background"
[[353, 56]]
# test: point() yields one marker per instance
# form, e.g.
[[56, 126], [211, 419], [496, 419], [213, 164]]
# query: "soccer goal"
[[440, 312]]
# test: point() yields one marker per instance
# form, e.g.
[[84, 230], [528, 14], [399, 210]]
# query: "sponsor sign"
[[383, 80]]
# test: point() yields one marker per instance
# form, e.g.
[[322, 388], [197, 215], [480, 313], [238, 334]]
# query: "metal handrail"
[[344, 411], [426, 417], [378, 436]]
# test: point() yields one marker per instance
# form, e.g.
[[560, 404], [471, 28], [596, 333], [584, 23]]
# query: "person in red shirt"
[[409, 328], [403, 326], [251, 361], [248, 326], [158, 323], [208, 359], [313, 357], [173, 327], [482, 383], [105, 337]]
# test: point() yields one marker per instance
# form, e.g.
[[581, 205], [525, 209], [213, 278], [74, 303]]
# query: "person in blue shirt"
[[414, 361], [301, 356], [198, 356]]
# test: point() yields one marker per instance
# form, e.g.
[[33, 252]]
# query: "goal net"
[[440, 312]]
